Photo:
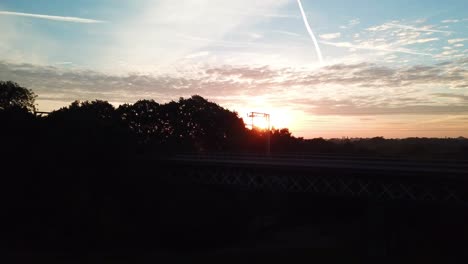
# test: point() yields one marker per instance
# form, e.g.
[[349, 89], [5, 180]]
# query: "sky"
[[390, 68]]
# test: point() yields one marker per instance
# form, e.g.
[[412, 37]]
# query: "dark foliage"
[[192, 124], [17, 121], [13, 96], [85, 130], [98, 129]]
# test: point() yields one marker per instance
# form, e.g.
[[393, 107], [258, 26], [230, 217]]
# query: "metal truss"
[[346, 185]]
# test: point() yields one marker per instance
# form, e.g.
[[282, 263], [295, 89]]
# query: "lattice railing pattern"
[[354, 186]]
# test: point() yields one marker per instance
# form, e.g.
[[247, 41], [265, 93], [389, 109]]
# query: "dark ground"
[[112, 212]]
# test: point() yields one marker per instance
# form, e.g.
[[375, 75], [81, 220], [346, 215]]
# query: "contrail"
[[56, 18], [311, 33]]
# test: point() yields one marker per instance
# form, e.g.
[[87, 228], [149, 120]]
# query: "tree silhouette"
[[203, 125], [144, 121], [86, 129], [192, 124], [97, 110], [188, 125], [13, 96], [17, 122]]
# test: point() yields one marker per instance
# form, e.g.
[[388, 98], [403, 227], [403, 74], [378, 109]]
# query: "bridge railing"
[[336, 175], [309, 156], [442, 169]]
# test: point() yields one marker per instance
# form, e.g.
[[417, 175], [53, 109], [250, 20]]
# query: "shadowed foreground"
[[122, 208], [86, 182]]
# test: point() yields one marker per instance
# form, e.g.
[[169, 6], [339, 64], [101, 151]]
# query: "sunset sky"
[[390, 68]]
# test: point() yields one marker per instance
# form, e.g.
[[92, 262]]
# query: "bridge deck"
[[417, 167], [392, 179]]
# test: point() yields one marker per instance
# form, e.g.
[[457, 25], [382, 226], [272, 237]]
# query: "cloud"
[[289, 33], [22, 42], [245, 71], [354, 22], [351, 23], [330, 36], [253, 35], [385, 48], [453, 41], [450, 21], [447, 53], [387, 26], [339, 89], [455, 96], [156, 34], [327, 106], [392, 37], [424, 40], [65, 85], [262, 13], [54, 18], [197, 55], [64, 63], [410, 39]]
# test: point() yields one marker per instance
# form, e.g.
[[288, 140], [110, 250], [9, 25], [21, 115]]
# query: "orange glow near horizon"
[[309, 125], [278, 119], [258, 123]]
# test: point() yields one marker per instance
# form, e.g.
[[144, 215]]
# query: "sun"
[[261, 123], [268, 119], [280, 116]]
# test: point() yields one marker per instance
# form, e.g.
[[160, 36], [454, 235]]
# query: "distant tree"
[[86, 129], [85, 111], [192, 124], [13, 96], [213, 127], [282, 140], [18, 125], [144, 120], [320, 145]]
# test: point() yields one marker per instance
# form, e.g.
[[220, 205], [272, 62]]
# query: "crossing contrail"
[[56, 18], [311, 33]]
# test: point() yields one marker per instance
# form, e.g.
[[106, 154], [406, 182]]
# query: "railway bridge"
[[438, 181]]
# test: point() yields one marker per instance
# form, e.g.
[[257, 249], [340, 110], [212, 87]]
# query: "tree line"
[[98, 129]]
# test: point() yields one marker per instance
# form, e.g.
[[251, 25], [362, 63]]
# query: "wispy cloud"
[[385, 48], [419, 41], [453, 41], [387, 26], [54, 18], [176, 27], [455, 96], [351, 23], [357, 88], [64, 63], [289, 33], [330, 36], [197, 55], [450, 21]]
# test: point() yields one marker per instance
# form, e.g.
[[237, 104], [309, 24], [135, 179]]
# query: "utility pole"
[[267, 118]]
